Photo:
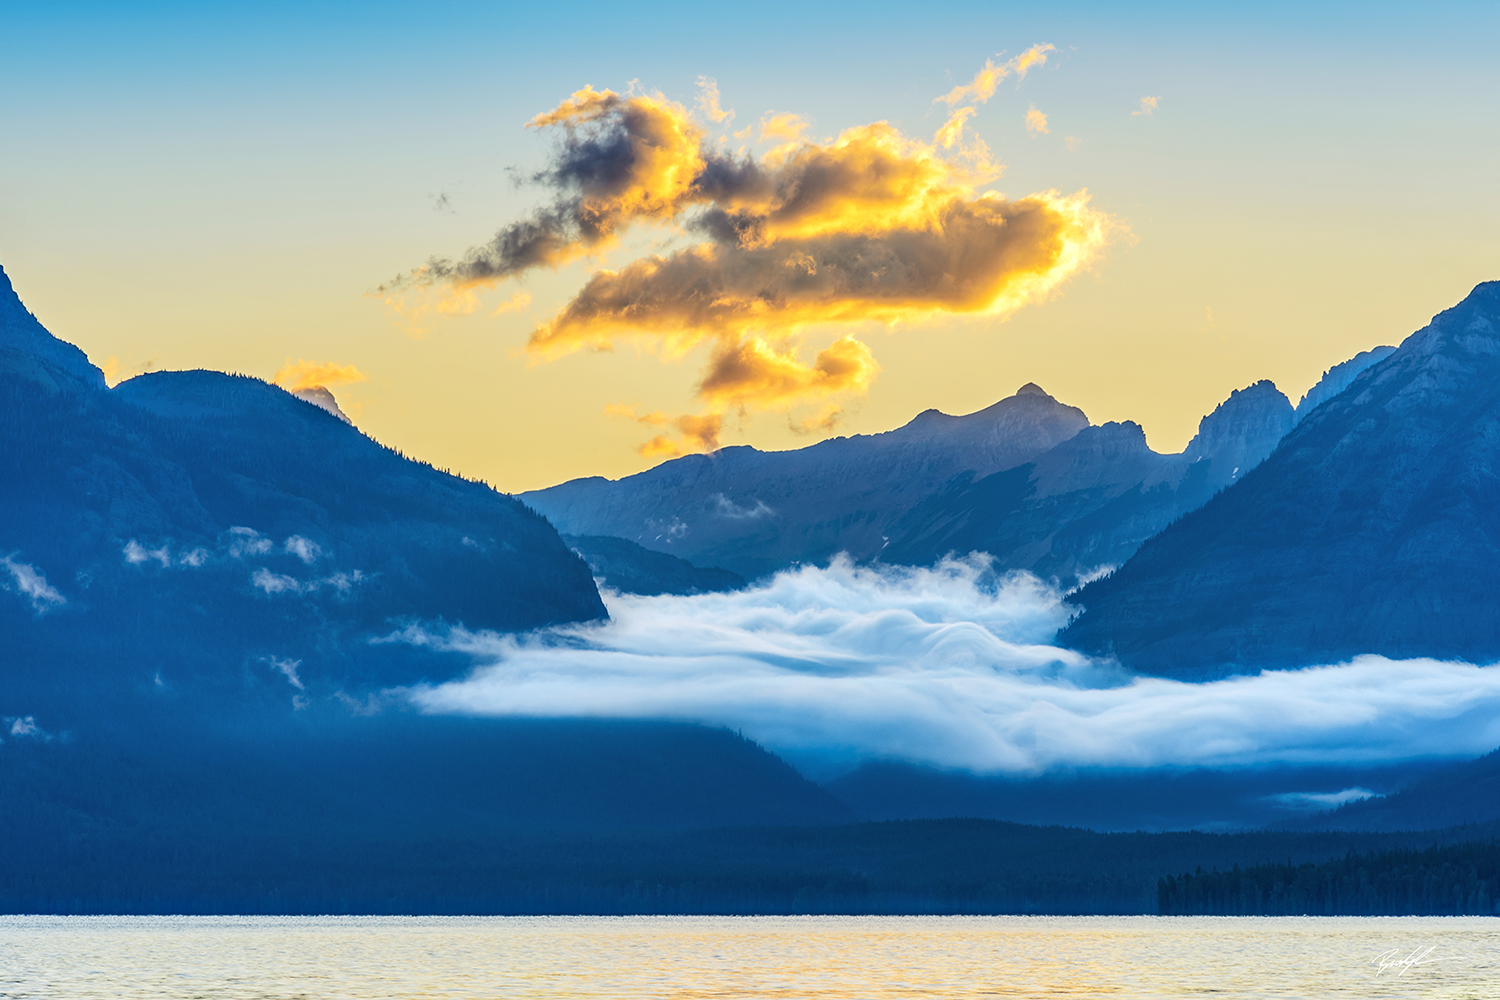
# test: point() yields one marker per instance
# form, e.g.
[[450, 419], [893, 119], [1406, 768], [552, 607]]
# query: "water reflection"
[[705, 957]]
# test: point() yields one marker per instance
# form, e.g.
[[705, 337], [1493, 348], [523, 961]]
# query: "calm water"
[[813, 957]]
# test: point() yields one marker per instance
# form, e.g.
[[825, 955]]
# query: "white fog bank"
[[952, 668]]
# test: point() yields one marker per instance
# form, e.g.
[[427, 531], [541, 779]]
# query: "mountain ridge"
[[1374, 527], [755, 512]]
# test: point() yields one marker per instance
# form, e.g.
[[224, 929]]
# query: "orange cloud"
[[516, 302], [868, 226], [979, 255], [708, 101], [985, 82], [654, 419], [415, 305], [699, 433], [1034, 56], [1036, 121], [1148, 106], [299, 375], [953, 129], [786, 127], [752, 373], [823, 421]]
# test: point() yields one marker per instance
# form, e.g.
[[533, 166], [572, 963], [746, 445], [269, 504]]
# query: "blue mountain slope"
[[200, 522], [198, 572], [21, 331], [1373, 528]]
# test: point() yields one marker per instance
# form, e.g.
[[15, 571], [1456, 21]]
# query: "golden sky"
[[531, 257]]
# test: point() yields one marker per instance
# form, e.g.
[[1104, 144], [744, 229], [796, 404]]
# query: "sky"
[[264, 188]]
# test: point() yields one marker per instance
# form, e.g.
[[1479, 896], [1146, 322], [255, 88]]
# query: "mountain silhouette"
[[756, 512], [1373, 528], [1027, 480], [22, 332], [1092, 500]]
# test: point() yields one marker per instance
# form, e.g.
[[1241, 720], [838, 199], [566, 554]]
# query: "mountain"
[[207, 591], [1028, 481], [186, 527], [629, 568], [1160, 798], [1373, 528], [1090, 501], [320, 397], [755, 512], [22, 332], [1336, 379], [1466, 793], [1241, 432]]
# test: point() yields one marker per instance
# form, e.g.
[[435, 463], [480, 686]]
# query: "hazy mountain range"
[[1028, 480], [755, 512]]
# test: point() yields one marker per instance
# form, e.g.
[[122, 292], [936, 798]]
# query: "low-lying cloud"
[[954, 668], [869, 225], [273, 583], [240, 545], [30, 583]]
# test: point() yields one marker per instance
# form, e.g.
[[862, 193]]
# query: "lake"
[[364, 958]]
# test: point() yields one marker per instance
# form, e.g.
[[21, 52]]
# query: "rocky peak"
[[21, 331], [1110, 440], [1242, 431], [1372, 528], [1338, 378], [1438, 372], [1470, 328], [1254, 416]]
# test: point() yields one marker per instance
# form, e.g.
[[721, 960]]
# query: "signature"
[[1393, 959]]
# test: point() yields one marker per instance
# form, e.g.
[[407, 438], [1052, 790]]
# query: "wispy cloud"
[[1148, 107], [1036, 122], [725, 507], [952, 131], [305, 549], [244, 541], [694, 433], [953, 668], [515, 303], [273, 583], [989, 78], [24, 727], [287, 668], [135, 553], [30, 583], [708, 102]]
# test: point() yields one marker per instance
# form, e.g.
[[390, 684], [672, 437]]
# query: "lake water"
[[362, 958]]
